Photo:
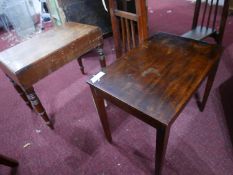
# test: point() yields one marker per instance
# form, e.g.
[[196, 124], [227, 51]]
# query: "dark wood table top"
[[159, 77]]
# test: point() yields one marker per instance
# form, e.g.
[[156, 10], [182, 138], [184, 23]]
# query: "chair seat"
[[32, 60], [199, 33]]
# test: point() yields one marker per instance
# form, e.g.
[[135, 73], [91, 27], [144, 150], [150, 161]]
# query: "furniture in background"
[[231, 6], [154, 82], [128, 28], [87, 12], [8, 161], [56, 12], [28, 62], [209, 20]]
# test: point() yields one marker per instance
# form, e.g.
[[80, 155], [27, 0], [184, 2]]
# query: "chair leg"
[[102, 56], [35, 102], [8, 161], [21, 93], [102, 59], [208, 87], [99, 103], [81, 65], [161, 146]]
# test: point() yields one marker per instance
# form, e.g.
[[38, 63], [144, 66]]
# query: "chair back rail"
[[129, 29]]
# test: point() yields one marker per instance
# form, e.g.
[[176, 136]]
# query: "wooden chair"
[[209, 20], [128, 28]]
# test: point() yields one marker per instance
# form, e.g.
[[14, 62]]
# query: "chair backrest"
[[129, 29], [211, 15]]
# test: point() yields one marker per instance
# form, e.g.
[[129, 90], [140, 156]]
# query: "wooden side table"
[[154, 82], [30, 61]]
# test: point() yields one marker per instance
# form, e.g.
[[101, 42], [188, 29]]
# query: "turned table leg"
[[99, 103], [161, 146], [21, 93], [81, 65], [8, 161], [35, 102], [102, 56], [102, 61]]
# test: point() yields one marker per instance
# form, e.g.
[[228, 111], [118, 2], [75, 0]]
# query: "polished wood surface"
[[166, 69], [30, 61], [154, 81], [46, 52], [128, 28], [209, 20]]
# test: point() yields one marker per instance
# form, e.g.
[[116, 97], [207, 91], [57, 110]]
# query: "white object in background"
[[105, 8]]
